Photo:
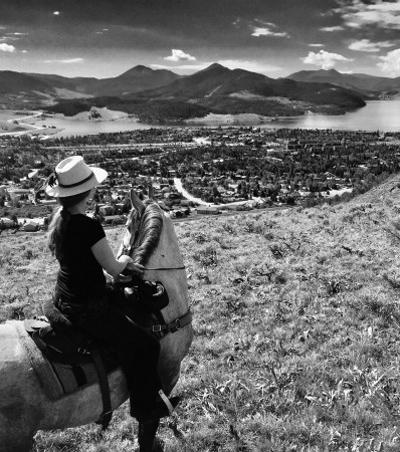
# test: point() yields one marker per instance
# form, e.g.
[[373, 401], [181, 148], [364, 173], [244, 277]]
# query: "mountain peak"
[[139, 69], [214, 68]]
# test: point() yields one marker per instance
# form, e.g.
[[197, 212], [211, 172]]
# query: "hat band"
[[77, 183]]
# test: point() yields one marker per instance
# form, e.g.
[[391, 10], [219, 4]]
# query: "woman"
[[81, 247]]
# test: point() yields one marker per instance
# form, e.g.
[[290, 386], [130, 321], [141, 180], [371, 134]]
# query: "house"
[[106, 210], [204, 210], [114, 219], [30, 226]]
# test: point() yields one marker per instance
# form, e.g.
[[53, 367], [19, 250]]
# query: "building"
[[204, 210]]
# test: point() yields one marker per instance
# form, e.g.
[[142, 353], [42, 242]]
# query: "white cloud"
[[382, 14], [316, 45], [264, 31], [331, 29], [390, 64], [66, 61], [324, 59], [179, 55], [6, 47], [365, 45]]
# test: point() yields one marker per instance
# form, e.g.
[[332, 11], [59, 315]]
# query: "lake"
[[376, 115], [382, 115]]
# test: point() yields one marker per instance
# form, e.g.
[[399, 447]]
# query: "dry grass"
[[297, 326]]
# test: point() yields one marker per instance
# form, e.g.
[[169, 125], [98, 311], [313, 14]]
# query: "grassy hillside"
[[297, 326]]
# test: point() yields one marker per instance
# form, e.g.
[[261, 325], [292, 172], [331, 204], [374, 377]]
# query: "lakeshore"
[[383, 115]]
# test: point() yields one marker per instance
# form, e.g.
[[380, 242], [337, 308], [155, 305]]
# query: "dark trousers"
[[137, 351]]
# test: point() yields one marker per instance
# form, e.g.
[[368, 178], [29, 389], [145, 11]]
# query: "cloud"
[[6, 47], [267, 29], [380, 13], [390, 64], [331, 29], [365, 45], [263, 31], [324, 59], [66, 61], [316, 45], [179, 55], [102, 31]]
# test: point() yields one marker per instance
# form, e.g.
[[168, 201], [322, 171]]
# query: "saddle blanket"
[[57, 379]]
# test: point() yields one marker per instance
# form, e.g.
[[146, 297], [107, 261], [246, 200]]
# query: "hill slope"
[[296, 316], [369, 86]]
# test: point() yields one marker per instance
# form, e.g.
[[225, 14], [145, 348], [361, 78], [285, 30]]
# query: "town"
[[194, 171]]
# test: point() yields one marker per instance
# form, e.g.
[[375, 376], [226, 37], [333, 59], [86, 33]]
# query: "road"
[[187, 195]]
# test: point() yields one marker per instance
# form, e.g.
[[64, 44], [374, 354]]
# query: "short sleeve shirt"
[[80, 277]]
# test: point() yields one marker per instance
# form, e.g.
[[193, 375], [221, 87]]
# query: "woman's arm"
[[105, 257]]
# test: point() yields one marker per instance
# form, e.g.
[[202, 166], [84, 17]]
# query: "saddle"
[[73, 349], [64, 343]]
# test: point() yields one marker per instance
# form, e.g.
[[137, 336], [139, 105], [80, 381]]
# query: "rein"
[[165, 268]]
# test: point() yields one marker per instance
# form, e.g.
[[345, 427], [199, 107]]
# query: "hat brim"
[[99, 175]]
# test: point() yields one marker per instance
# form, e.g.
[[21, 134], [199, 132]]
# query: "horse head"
[[150, 240]]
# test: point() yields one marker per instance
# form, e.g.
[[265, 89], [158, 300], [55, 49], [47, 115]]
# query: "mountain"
[[32, 90], [370, 87], [162, 95], [223, 90]]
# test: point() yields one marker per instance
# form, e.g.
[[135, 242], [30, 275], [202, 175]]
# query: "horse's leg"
[[15, 441], [147, 435]]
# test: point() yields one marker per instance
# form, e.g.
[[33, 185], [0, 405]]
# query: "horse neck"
[[167, 261]]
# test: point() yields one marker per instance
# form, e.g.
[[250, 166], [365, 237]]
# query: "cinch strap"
[[77, 183], [173, 326]]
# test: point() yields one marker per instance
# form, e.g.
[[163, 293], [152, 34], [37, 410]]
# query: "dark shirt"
[[81, 284]]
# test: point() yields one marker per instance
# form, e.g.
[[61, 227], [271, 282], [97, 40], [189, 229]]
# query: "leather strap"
[[173, 326]]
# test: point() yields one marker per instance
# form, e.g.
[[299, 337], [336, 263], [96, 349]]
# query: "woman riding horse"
[[83, 252]]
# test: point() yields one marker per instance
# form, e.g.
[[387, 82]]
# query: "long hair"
[[60, 220]]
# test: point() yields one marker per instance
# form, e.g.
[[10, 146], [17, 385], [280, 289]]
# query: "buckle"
[[177, 325], [157, 328]]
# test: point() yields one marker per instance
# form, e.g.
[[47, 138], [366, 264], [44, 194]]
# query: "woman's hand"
[[135, 268], [131, 265]]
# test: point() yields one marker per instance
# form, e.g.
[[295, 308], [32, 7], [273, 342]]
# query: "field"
[[297, 329]]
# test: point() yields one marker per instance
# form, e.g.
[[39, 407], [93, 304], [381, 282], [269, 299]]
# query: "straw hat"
[[73, 176]]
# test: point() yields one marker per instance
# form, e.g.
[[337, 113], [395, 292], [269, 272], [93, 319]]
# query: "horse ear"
[[137, 202], [151, 192]]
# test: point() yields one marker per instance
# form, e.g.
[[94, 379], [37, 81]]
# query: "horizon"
[[104, 39], [211, 64]]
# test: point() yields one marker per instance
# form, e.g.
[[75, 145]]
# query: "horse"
[[25, 408]]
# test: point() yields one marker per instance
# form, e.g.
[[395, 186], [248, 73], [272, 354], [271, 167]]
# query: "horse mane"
[[149, 233]]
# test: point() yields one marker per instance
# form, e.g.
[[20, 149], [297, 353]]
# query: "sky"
[[99, 38]]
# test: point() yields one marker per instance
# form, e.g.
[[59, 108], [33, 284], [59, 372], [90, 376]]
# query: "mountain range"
[[163, 96]]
